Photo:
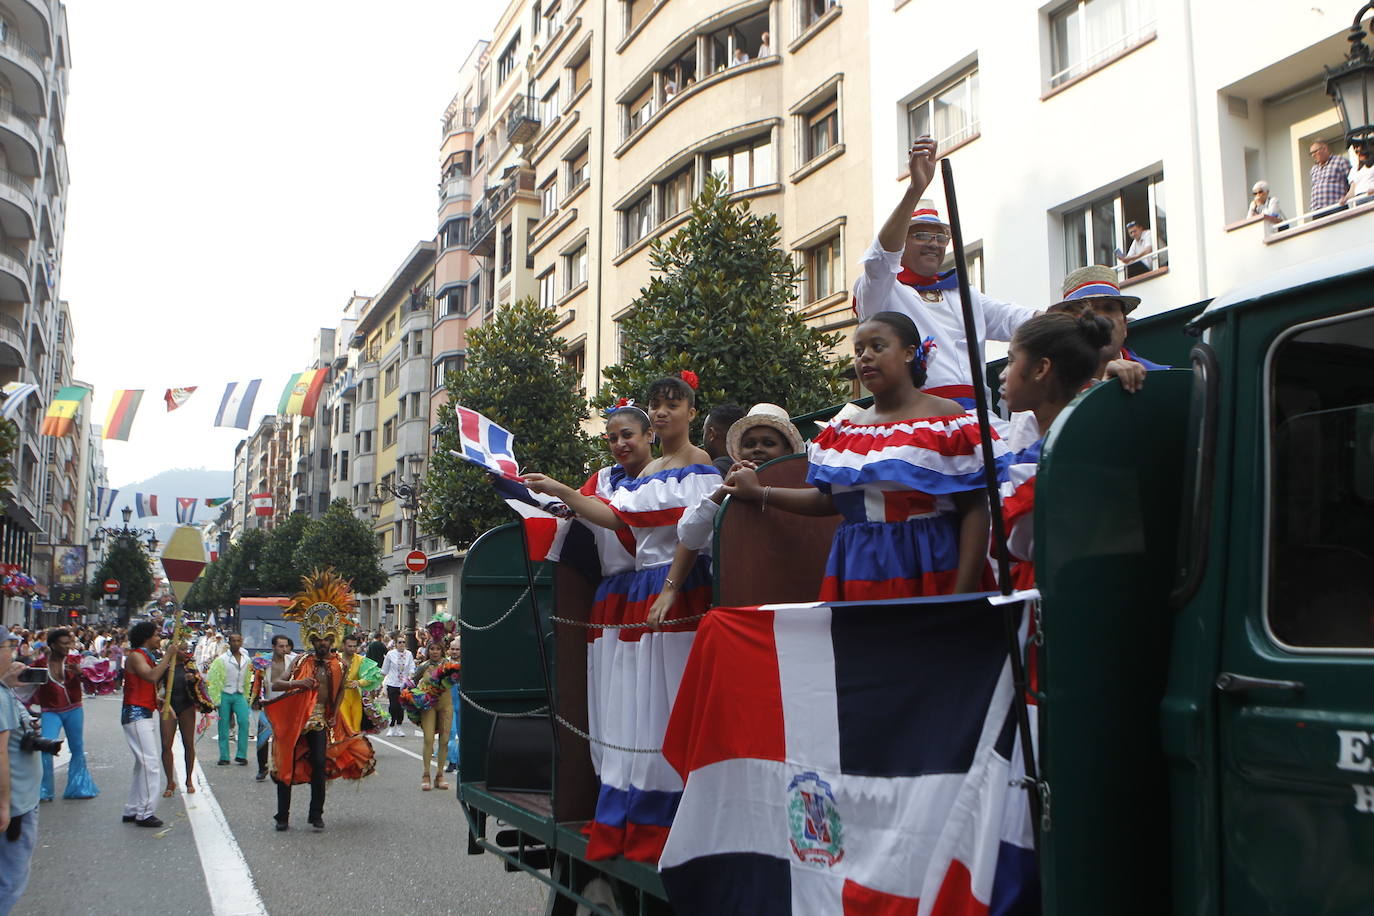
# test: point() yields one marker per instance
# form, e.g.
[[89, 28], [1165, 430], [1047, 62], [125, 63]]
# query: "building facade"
[[1071, 119]]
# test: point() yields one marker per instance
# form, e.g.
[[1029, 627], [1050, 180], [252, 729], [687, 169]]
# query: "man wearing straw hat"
[[901, 274], [1094, 288]]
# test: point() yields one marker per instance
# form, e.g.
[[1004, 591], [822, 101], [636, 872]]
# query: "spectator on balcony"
[[1330, 179], [669, 89], [1139, 258], [766, 48], [1264, 205], [741, 57], [1361, 177]]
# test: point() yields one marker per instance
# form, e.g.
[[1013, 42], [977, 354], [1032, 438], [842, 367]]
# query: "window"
[[530, 224], [748, 165], [581, 73], [343, 465], [365, 442], [477, 153], [950, 114], [548, 292], [506, 245], [824, 273], [369, 389], [505, 64], [444, 367], [811, 10], [576, 360], [822, 128], [455, 300], [676, 193], [476, 286], [640, 110], [389, 375], [548, 196], [973, 254], [638, 219], [635, 11], [553, 19], [1085, 34], [552, 105], [1096, 231], [389, 433], [455, 232], [405, 347], [680, 74], [577, 171], [1321, 486], [390, 328], [575, 266], [345, 418], [417, 343]]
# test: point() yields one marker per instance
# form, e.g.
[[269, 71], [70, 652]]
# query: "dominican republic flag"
[[539, 514], [186, 510], [236, 407], [850, 759], [485, 444], [261, 503], [145, 504], [104, 501]]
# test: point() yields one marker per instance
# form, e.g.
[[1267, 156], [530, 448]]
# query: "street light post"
[[1351, 85], [407, 494], [145, 537]]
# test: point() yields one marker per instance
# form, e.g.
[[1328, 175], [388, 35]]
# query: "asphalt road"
[[388, 848]]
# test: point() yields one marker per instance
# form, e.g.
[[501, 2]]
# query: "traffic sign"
[[416, 561], [111, 586]]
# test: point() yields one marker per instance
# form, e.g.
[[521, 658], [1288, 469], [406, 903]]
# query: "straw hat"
[[1092, 282], [925, 212], [770, 415]]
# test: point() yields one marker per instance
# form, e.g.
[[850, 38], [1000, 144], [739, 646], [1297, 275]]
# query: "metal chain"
[[625, 626], [487, 626], [615, 747], [529, 713]]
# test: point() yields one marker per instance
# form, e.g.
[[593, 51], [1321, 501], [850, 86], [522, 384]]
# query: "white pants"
[[146, 743]]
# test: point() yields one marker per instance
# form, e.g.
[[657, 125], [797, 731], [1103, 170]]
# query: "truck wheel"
[[601, 892]]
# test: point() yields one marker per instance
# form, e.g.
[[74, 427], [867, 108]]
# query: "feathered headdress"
[[324, 607]]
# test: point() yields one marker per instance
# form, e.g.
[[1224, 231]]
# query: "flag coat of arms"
[[104, 501], [61, 416], [485, 444], [175, 397], [261, 503], [145, 504], [849, 759], [186, 510], [302, 393], [236, 407], [119, 421]]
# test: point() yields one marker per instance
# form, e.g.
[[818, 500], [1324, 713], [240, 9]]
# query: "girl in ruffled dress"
[[635, 667], [906, 474]]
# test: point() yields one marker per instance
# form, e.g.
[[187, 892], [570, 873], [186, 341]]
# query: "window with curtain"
[[1086, 33], [949, 114]]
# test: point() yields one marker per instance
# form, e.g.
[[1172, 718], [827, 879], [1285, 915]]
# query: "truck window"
[[1321, 487]]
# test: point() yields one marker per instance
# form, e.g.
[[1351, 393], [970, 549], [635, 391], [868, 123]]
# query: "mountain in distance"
[[167, 486]]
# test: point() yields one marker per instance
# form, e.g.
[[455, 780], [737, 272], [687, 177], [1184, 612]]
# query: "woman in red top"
[[60, 700]]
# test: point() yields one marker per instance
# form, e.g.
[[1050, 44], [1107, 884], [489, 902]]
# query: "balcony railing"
[[462, 119], [15, 255], [522, 119], [21, 47], [19, 183], [483, 237], [11, 323], [9, 109]]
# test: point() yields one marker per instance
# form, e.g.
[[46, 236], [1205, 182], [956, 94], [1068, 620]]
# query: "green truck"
[[1205, 557]]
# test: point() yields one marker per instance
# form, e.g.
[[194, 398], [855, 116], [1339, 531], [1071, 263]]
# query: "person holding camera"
[[140, 720], [20, 775], [60, 700]]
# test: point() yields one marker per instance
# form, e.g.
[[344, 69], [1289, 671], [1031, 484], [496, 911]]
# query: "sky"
[[238, 170]]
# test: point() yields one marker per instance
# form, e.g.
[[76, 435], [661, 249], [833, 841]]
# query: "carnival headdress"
[[324, 607]]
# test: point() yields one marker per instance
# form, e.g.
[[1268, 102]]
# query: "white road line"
[[395, 747], [232, 889]]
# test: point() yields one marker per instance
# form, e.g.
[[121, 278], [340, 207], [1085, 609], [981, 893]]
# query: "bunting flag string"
[[236, 407], [104, 501], [302, 393], [61, 417], [186, 510], [120, 418], [146, 504], [16, 393], [175, 397]]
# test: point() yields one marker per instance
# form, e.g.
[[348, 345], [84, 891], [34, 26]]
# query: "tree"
[[278, 573], [515, 376], [720, 304], [127, 563], [345, 542], [9, 441]]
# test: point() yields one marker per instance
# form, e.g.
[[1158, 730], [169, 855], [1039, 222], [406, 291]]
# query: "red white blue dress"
[[894, 484], [633, 673], [1018, 496]]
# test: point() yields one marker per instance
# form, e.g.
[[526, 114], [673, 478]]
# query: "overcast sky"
[[238, 169]]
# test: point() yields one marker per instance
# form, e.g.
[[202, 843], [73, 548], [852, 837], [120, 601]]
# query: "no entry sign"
[[111, 586], [416, 561]]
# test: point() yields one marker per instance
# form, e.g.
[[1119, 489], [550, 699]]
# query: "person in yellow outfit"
[[360, 673], [435, 720]]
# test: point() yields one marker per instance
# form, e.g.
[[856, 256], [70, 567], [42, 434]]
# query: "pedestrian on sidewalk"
[[60, 699], [139, 719], [398, 668], [20, 775], [283, 657], [230, 676]]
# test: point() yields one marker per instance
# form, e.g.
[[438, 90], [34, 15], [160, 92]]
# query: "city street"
[[388, 848]]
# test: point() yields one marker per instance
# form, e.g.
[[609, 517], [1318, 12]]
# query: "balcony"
[[12, 347], [18, 55], [521, 121], [462, 119], [14, 274], [18, 204], [494, 204], [19, 136], [458, 187]]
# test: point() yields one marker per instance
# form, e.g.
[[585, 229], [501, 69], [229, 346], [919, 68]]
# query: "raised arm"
[[588, 507], [920, 164]]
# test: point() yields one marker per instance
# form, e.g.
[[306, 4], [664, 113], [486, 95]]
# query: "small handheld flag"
[[186, 510], [120, 418], [236, 407], [485, 444], [145, 504], [175, 397]]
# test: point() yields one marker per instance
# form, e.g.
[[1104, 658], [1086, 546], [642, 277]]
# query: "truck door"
[[1295, 687]]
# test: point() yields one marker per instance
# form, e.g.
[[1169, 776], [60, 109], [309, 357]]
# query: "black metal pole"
[[999, 532]]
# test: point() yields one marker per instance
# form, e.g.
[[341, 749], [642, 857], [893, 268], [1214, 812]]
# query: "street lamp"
[[1351, 85], [145, 537], [407, 493]]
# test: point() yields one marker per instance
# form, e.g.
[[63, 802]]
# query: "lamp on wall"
[[1351, 85]]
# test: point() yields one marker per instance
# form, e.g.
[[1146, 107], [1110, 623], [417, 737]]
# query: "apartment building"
[[262, 465], [33, 186], [1070, 119], [390, 418], [312, 438]]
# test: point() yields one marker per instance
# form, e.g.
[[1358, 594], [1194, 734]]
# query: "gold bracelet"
[[765, 498]]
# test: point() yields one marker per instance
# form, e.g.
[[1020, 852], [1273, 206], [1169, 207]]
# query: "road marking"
[[232, 889], [395, 747]]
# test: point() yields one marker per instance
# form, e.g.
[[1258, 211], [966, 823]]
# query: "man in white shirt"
[[277, 669], [1361, 177], [209, 648], [397, 669], [901, 273], [1141, 250], [230, 676]]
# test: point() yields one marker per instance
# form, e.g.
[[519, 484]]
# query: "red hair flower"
[[690, 377]]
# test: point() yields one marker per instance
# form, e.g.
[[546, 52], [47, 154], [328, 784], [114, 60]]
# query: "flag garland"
[[262, 503], [104, 501], [16, 393], [175, 397], [302, 393], [186, 510], [61, 416], [215, 502], [119, 420], [145, 504], [236, 407]]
